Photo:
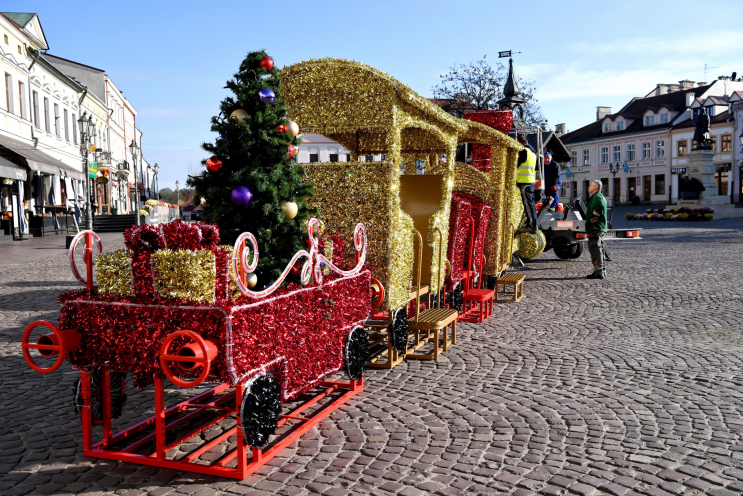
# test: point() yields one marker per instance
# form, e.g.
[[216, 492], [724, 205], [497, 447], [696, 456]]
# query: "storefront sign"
[[101, 180], [678, 170], [92, 169]]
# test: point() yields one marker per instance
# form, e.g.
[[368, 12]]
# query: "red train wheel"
[[377, 291], [201, 359], [47, 346]]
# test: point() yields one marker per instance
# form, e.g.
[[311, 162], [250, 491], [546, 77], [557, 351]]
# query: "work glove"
[[554, 188]]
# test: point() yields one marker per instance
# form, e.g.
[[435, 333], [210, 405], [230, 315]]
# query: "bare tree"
[[478, 86]]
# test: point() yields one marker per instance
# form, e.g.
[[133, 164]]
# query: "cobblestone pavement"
[[627, 386]]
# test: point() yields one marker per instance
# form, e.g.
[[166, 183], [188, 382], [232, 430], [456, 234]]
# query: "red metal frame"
[[166, 419]]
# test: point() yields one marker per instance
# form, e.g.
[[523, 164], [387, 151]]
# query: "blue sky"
[[171, 58]]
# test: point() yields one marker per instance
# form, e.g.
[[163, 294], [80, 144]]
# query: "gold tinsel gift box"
[[182, 274]]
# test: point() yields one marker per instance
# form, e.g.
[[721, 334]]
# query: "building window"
[[646, 150], [616, 154], [721, 178], [8, 96], [74, 129], [695, 113], [333, 157], [66, 126], [586, 157], [573, 158], [727, 143], [664, 118], [631, 152], [36, 109], [681, 149], [314, 157], [348, 157], [607, 127], [649, 120], [620, 126], [6, 39], [710, 111], [660, 149], [604, 154], [660, 184], [46, 114], [57, 130], [21, 108], [369, 158]]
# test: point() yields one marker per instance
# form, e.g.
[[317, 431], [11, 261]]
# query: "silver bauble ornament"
[[292, 127]]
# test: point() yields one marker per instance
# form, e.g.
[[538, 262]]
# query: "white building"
[[40, 162], [735, 103], [644, 136]]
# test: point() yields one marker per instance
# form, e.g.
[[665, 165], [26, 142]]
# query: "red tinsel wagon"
[[176, 305]]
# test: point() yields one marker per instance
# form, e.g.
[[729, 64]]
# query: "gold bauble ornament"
[[240, 116], [292, 127], [290, 209], [251, 281]]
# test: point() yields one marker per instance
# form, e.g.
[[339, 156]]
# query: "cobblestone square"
[[621, 387]]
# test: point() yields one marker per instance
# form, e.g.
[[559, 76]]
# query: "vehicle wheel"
[[357, 353], [260, 409], [118, 394], [457, 298], [578, 251], [566, 252], [399, 330]]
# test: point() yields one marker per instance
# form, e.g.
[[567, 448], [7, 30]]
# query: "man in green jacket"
[[595, 228]]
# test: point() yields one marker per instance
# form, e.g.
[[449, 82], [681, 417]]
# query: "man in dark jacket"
[[596, 226], [552, 180]]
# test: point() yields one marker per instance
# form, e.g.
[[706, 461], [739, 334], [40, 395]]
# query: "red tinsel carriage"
[[262, 347]]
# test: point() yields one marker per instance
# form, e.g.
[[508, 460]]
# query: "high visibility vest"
[[527, 171]]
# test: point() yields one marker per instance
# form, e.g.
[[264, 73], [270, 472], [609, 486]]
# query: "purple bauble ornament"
[[267, 96], [241, 196]]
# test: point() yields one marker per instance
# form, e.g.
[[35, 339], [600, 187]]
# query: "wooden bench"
[[434, 321], [512, 279]]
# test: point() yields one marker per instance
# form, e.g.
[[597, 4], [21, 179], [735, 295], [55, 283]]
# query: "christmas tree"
[[252, 183]]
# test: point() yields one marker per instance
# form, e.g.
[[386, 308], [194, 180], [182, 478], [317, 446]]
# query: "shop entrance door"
[[631, 188], [646, 183], [617, 189]]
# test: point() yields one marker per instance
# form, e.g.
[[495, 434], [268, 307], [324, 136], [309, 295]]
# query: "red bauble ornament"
[[292, 150], [213, 164], [281, 128], [267, 63]]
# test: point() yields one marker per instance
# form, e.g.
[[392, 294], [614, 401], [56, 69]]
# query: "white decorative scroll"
[[73, 245], [312, 266]]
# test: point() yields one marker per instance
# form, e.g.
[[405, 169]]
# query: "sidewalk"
[[32, 249]]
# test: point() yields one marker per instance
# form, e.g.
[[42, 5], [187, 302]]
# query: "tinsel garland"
[[460, 221], [308, 326]]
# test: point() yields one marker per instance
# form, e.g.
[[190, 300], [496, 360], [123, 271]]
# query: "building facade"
[[639, 151]]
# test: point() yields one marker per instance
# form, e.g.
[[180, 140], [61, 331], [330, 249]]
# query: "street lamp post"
[[157, 180], [87, 131], [614, 171], [133, 148]]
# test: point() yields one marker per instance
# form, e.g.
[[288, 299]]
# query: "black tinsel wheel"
[[457, 298], [399, 330], [260, 409], [118, 394], [357, 353]]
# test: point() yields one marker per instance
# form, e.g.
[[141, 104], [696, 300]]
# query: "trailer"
[[175, 305]]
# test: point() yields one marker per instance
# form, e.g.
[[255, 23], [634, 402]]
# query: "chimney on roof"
[[689, 98], [673, 88], [560, 129], [686, 83], [701, 83], [602, 112], [661, 89]]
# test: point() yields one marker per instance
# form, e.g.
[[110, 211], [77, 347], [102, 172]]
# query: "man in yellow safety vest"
[[526, 175]]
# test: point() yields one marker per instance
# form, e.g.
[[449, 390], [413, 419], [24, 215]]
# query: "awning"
[[12, 171], [39, 160]]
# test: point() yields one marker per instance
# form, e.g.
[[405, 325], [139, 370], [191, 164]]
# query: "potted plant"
[[635, 200]]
